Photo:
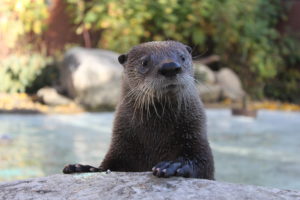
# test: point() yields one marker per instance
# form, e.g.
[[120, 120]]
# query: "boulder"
[[230, 83], [51, 97], [206, 83], [91, 77], [209, 93], [135, 186], [204, 73]]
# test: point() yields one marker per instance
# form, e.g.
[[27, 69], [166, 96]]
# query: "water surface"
[[263, 151]]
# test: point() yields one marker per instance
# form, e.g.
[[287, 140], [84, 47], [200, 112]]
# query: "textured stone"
[[230, 83], [50, 96], [209, 93], [205, 73], [91, 76], [206, 83], [133, 186]]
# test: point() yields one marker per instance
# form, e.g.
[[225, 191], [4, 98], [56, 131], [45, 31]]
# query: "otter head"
[[163, 66], [156, 70]]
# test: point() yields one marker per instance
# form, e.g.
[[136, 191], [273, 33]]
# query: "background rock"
[[91, 76], [204, 73], [209, 93], [230, 83], [206, 83], [134, 186], [50, 96]]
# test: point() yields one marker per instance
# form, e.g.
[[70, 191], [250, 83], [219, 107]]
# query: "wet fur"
[[157, 128]]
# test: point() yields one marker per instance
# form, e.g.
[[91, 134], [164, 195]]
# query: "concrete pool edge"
[[122, 185]]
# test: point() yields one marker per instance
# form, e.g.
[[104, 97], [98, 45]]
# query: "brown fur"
[[159, 121]]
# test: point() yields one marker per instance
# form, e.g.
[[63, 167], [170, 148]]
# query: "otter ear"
[[122, 58], [189, 49]]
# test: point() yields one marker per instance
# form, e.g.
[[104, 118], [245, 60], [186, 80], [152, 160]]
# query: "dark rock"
[[244, 112]]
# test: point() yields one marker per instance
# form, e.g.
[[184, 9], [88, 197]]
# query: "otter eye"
[[182, 58], [145, 63]]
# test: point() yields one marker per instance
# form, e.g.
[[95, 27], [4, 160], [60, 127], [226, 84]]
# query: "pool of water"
[[263, 151]]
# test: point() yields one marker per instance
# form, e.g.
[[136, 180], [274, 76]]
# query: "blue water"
[[263, 151]]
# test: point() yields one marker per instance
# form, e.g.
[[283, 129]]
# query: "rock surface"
[[209, 90], [91, 76], [230, 83], [134, 186], [209, 93], [50, 96], [205, 73]]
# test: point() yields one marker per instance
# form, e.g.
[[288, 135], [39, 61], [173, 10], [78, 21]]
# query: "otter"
[[160, 122]]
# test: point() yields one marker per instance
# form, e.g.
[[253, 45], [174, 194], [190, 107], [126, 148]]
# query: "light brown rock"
[[204, 73], [230, 83], [50, 96], [91, 77], [209, 93]]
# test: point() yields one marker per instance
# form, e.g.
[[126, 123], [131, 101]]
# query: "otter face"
[[162, 66]]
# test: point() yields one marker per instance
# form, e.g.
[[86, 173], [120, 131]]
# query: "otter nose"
[[170, 69]]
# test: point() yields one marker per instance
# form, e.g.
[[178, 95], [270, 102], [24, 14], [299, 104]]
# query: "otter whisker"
[[203, 84], [146, 101]]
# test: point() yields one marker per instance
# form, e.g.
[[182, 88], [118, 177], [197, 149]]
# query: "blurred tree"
[[21, 24], [17, 72], [21, 17], [244, 33]]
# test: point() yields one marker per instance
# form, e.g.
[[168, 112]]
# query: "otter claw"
[[78, 168], [167, 169]]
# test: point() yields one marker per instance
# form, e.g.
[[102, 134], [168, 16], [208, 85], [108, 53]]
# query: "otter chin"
[[160, 123]]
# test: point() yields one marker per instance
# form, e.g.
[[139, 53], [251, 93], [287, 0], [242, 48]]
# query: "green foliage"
[[243, 32], [21, 20], [20, 17], [286, 85], [246, 31], [48, 76], [289, 91], [127, 23], [17, 72]]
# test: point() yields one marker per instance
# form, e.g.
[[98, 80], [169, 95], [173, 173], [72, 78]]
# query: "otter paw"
[[166, 169], [78, 168]]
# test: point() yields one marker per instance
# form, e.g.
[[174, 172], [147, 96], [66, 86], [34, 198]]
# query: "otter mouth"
[[173, 87]]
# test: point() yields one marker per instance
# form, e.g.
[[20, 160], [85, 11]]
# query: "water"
[[263, 151]]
